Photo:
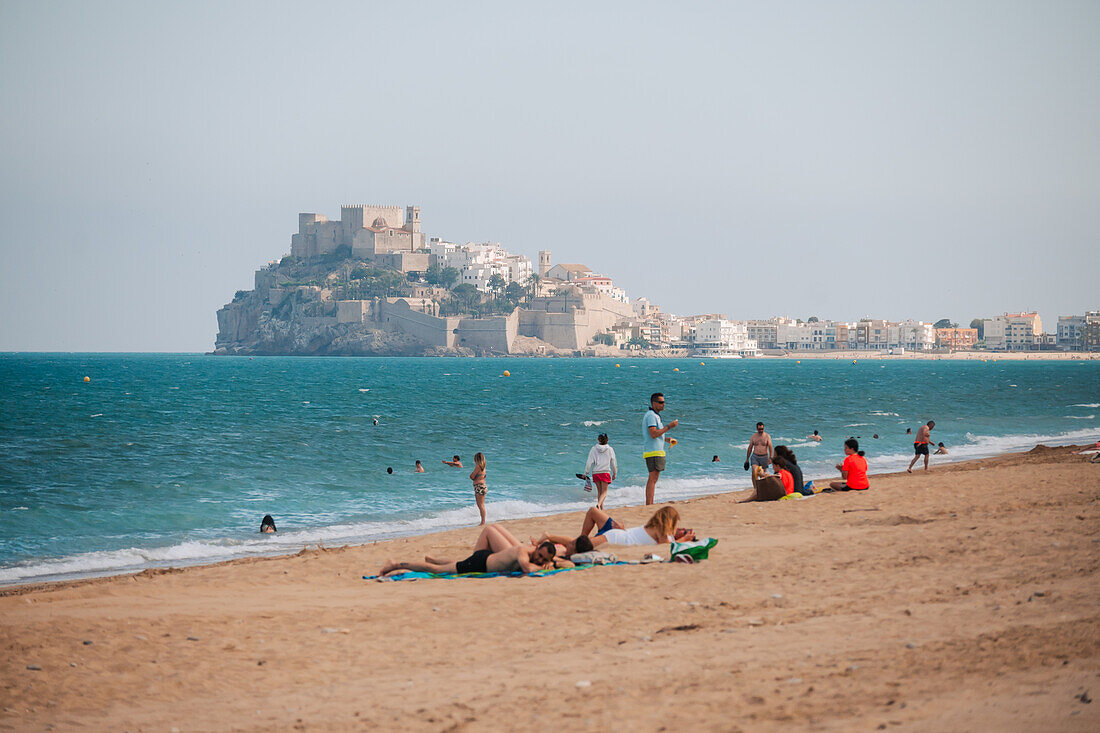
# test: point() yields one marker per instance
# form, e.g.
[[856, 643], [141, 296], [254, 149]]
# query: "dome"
[[379, 223]]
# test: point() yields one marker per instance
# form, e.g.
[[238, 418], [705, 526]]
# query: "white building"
[[1071, 330], [1012, 331], [477, 263], [913, 335], [603, 284], [719, 336]]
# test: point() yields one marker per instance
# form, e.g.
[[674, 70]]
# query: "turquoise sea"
[[174, 459]]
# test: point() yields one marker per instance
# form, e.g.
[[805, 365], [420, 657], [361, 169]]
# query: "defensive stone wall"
[[495, 334], [353, 311], [432, 330]]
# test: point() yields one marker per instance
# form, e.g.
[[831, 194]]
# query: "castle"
[[383, 234]]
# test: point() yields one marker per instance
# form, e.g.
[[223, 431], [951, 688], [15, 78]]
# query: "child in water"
[[480, 489]]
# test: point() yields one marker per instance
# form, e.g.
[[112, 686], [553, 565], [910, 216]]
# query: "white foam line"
[[197, 552]]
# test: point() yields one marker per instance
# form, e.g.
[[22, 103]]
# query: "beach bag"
[[593, 557], [697, 550], [807, 489]]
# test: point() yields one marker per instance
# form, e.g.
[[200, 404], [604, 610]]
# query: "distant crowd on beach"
[[785, 480]]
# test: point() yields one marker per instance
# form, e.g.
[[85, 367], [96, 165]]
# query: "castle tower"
[[412, 218], [544, 262]]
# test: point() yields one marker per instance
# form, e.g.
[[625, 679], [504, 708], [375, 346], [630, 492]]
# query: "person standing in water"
[[653, 442], [920, 444], [480, 488], [602, 467], [760, 449]]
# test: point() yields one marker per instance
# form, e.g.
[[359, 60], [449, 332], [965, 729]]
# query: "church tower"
[[412, 218], [544, 262]]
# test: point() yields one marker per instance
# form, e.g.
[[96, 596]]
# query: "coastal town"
[[372, 282]]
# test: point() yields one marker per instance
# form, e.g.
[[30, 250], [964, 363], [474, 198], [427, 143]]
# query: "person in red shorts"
[[853, 470], [602, 466]]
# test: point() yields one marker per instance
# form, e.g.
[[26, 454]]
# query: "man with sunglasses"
[[653, 446]]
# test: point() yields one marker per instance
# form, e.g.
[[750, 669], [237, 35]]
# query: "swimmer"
[[419, 468], [456, 462], [815, 437], [940, 450], [716, 459], [375, 421], [524, 558], [853, 470], [920, 444], [267, 525], [389, 470]]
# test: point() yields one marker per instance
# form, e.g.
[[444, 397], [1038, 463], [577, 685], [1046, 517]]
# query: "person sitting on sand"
[[267, 525], [815, 437], [791, 465], [940, 450], [770, 487], [523, 558], [455, 463], [853, 470]]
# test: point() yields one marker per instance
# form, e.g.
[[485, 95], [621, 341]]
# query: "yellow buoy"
[[87, 379], [702, 363], [853, 361], [676, 369], [507, 373], [616, 366], [798, 361]]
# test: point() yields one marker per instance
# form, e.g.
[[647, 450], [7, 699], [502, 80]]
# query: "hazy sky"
[[898, 160]]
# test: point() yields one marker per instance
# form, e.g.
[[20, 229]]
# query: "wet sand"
[[966, 598]]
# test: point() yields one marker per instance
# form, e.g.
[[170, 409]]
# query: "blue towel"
[[455, 576]]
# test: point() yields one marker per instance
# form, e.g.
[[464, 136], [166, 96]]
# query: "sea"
[[113, 463]]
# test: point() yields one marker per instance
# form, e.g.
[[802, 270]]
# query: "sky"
[[841, 160]]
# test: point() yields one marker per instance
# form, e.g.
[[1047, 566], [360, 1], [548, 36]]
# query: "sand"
[[961, 599]]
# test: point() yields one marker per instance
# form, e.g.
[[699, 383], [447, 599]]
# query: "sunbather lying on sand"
[[659, 530], [524, 558]]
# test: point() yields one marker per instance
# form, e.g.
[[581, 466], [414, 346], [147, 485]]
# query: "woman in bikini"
[[480, 489]]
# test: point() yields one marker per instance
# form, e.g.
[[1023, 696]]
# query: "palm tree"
[[534, 279]]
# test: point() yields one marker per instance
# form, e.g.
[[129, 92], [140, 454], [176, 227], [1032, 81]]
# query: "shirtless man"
[[815, 437], [456, 463], [523, 558], [920, 444], [760, 449]]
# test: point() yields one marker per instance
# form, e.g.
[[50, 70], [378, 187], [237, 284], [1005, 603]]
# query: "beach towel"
[[697, 550], [457, 576]]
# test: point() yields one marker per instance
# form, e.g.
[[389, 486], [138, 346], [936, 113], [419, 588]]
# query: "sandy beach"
[[961, 599]]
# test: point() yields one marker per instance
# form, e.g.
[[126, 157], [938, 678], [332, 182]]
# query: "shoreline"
[[960, 599], [401, 536]]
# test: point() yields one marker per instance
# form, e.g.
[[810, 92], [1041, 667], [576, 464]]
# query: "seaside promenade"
[[960, 599]]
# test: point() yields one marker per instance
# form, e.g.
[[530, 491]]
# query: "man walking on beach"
[[920, 445], [653, 442], [760, 449]]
